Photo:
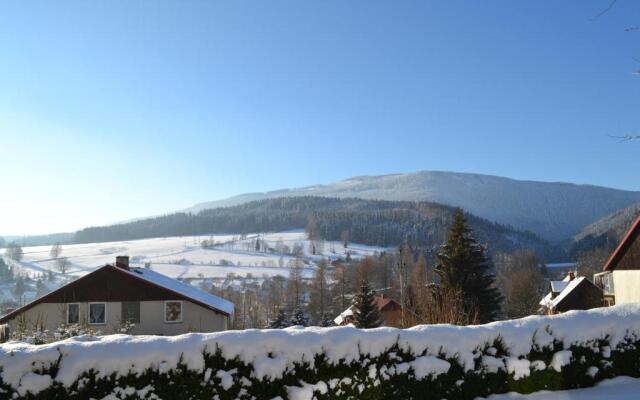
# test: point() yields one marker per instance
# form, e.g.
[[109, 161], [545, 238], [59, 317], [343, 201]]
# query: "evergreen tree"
[[326, 321], [20, 287], [463, 268], [41, 288], [366, 313], [5, 272], [299, 316], [281, 320]]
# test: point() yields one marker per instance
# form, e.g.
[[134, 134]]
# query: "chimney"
[[572, 276], [122, 262]]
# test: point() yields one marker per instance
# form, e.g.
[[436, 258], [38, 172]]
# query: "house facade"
[[620, 278], [117, 296]]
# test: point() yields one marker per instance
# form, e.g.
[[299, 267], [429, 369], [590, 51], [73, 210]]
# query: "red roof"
[[382, 301], [624, 245]]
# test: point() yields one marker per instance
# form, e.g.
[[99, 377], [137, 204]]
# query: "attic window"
[[173, 311]]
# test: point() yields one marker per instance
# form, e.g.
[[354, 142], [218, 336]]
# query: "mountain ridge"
[[553, 210]]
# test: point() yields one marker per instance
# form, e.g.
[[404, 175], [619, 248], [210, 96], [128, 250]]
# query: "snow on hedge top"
[[184, 289], [273, 352]]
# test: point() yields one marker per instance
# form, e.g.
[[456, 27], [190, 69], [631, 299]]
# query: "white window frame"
[[69, 304], [164, 311], [89, 313]]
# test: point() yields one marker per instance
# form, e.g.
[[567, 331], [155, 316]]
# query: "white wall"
[[194, 318], [626, 286]]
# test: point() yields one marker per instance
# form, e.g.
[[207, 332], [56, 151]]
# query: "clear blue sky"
[[115, 110]]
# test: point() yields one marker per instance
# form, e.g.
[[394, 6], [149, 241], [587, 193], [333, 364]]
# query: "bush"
[[430, 362]]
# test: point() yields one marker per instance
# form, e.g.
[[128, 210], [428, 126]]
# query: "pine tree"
[[463, 268], [366, 313], [299, 317], [326, 321], [281, 320]]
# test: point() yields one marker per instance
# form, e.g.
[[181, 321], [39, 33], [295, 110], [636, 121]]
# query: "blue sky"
[[116, 110]]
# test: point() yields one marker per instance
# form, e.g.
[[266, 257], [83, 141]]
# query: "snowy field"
[[184, 257], [620, 388]]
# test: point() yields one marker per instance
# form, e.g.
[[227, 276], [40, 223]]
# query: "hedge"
[[573, 350]]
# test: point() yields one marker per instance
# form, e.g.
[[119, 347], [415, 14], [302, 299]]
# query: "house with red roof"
[[390, 312], [620, 278]]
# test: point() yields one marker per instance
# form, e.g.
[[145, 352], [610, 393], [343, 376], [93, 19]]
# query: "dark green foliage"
[[372, 222], [366, 313], [299, 316], [463, 268], [280, 321], [457, 383]]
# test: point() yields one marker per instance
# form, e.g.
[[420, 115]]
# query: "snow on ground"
[[272, 352], [620, 388], [184, 257]]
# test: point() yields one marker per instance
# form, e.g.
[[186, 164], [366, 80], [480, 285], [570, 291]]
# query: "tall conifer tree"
[[463, 268], [366, 313]]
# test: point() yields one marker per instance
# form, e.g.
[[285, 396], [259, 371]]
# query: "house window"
[[97, 313], [73, 313], [131, 312], [172, 311]]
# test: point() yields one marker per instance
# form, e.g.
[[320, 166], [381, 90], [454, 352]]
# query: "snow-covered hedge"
[[427, 362]]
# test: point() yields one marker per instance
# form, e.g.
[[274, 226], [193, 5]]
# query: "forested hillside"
[[553, 210], [606, 232], [373, 222]]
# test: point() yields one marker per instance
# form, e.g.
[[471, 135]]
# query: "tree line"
[[371, 222]]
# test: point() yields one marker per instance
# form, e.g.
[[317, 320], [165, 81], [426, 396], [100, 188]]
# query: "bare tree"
[[521, 279], [62, 265], [55, 251], [14, 251]]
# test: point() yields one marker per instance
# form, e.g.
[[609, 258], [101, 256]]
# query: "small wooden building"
[[571, 293]]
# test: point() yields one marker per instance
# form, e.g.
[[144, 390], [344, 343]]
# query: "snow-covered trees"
[[299, 316], [280, 321], [14, 251]]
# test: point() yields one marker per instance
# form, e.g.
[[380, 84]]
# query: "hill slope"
[[555, 211], [607, 231], [370, 222]]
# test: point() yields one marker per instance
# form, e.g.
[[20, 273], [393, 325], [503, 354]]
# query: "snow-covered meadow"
[[184, 258]]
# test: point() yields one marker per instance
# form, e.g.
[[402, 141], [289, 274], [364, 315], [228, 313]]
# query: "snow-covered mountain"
[[554, 210]]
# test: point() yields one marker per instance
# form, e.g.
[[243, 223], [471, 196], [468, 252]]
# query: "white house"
[[620, 279]]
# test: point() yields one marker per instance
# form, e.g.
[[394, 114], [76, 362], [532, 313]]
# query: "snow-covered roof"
[[568, 289], [546, 300], [346, 313], [184, 289], [558, 286]]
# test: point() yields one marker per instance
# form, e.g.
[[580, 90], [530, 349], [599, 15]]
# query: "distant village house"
[[113, 295], [571, 293], [390, 311]]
